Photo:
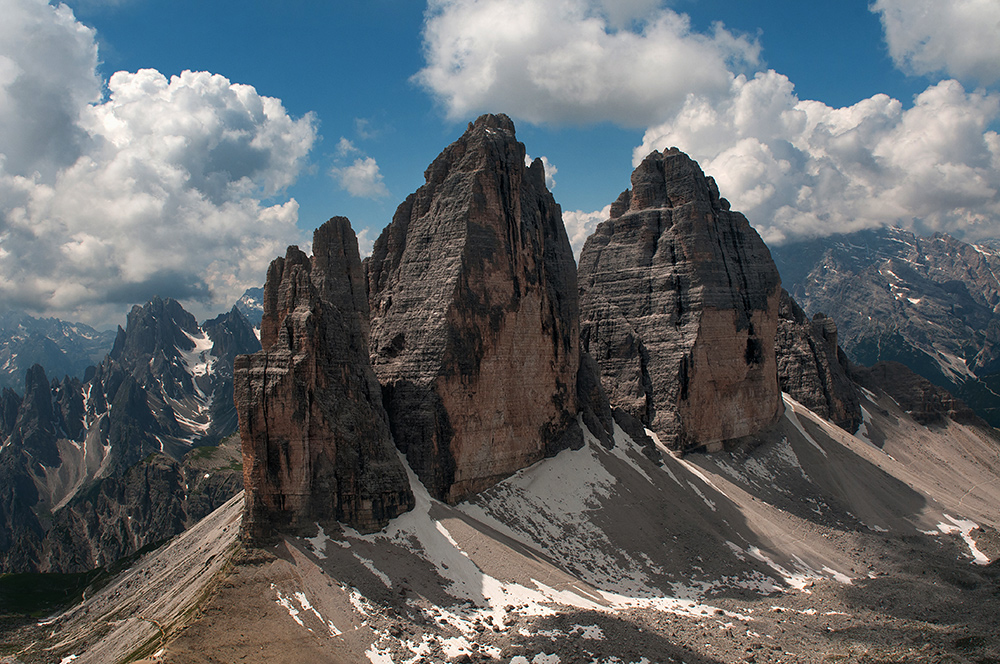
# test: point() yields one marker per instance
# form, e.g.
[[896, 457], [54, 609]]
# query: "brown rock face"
[[475, 316], [679, 306], [812, 368], [316, 442]]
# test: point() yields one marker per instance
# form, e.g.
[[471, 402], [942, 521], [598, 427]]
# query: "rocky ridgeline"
[[315, 436], [475, 317], [94, 470], [812, 367], [931, 303], [679, 305]]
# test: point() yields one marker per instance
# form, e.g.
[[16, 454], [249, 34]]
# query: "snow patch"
[[317, 544], [964, 527], [379, 574], [792, 407]]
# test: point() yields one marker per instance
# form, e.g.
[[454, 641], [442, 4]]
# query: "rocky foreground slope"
[[808, 545]]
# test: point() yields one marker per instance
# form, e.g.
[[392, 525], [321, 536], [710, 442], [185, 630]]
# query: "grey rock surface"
[[812, 368], [679, 307], [475, 316]]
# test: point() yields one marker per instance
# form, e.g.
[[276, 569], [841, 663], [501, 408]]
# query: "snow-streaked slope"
[[601, 555]]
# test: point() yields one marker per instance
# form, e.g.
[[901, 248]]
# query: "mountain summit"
[[316, 443], [475, 316], [680, 308]]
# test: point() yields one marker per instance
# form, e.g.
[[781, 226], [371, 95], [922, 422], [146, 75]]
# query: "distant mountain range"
[[64, 349], [932, 304], [251, 305], [94, 469]]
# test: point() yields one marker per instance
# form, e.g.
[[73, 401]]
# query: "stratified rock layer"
[[812, 368], [475, 316], [679, 306], [925, 402], [316, 442]]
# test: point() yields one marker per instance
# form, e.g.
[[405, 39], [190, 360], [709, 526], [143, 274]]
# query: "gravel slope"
[[804, 544]]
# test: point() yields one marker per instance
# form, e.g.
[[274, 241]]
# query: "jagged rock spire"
[[316, 442], [475, 316]]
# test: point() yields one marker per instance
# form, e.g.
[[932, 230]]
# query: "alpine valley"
[[469, 447]]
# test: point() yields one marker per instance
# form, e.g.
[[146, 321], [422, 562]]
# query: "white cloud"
[[550, 170], [366, 242], [47, 75], [162, 192], [580, 225], [573, 61], [346, 148], [801, 168], [361, 179], [959, 37]]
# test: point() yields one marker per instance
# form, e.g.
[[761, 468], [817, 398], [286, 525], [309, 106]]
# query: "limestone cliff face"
[[475, 316], [679, 306], [812, 368], [316, 442]]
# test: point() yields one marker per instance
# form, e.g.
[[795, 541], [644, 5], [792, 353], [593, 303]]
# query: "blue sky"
[[123, 177]]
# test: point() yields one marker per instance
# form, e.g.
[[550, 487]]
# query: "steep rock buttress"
[[475, 316], [316, 441], [679, 307]]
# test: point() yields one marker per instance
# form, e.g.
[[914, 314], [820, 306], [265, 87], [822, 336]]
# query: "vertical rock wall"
[[812, 368], [316, 442], [475, 316], [679, 306]]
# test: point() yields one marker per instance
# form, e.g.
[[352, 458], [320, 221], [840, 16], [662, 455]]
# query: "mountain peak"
[[474, 275], [679, 306], [490, 121]]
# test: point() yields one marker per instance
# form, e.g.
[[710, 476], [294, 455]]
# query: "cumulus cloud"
[[960, 37], [800, 168], [345, 148], [362, 179], [159, 189], [574, 61], [47, 75], [580, 225]]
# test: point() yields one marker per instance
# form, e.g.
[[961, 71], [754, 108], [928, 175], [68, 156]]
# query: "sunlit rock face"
[[679, 307], [475, 316], [316, 441]]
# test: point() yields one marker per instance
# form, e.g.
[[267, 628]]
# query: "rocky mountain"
[[251, 305], [475, 317], [812, 367], [527, 520], [806, 545], [316, 441], [679, 307], [932, 304], [64, 349], [80, 458]]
